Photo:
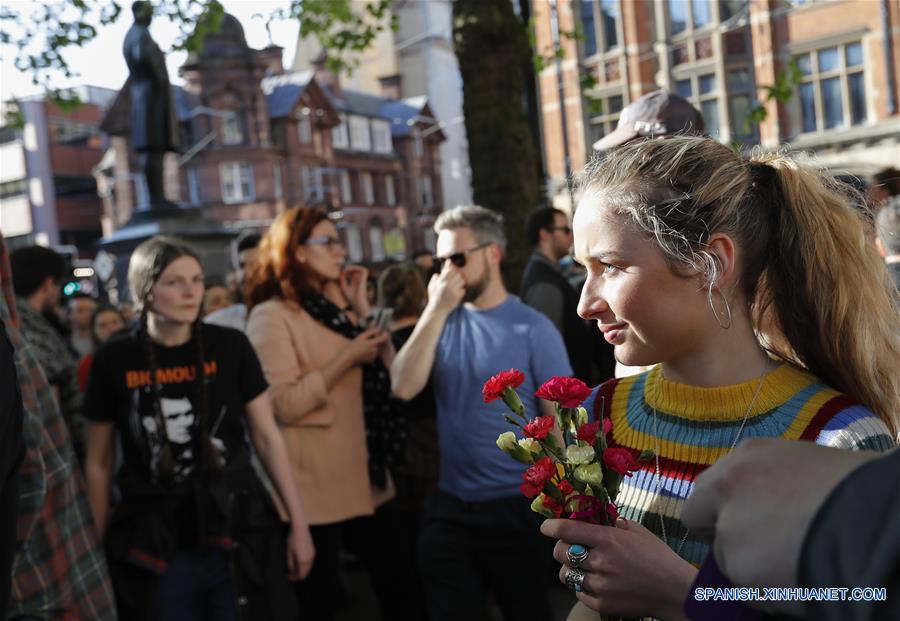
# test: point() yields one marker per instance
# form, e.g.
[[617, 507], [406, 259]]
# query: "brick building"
[[257, 141], [48, 194], [720, 54]]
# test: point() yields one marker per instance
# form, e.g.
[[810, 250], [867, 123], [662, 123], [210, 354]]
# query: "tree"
[[43, 31], [492, 48]]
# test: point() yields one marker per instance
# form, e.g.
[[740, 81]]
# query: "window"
[[354, 242], [430, 239], [599, 25], [730, 8], [64, 131], [346, 188], [701, 10], [389, 193], [678, 16], [339, 138], [311, 178], [832, 92], [425, 191], [368, 189], [686, 16], [376, 241], [276, 181], [231, 129], [609, 10], [381, 136], [193, 186], [605, 122], [418, 150], [740, 103], [359, 133], [703, 92], [304, 127], [588, 28], [237, 182]]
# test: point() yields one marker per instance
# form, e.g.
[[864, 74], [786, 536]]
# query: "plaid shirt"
[[59, 572], [52, 353]]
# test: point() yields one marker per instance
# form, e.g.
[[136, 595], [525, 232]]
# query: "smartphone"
[[382, 319]]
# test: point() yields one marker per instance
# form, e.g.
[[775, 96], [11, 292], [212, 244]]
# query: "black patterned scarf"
[[385, 426]]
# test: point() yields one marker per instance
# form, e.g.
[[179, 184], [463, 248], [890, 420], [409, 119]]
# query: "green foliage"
[[786, 83], [195, 19], [44, 32], [339, 26]]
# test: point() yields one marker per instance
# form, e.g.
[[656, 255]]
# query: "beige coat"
[[324, 430]]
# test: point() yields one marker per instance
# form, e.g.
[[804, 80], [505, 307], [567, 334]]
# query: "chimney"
[[271, 58], [324, 76], [390, 86]]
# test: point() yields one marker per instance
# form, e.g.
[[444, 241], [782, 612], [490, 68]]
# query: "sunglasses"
[[328, 241], [565, 229], [458, 258]]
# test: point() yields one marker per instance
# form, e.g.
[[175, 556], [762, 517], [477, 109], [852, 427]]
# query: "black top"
[[12, 450], [119, 391], [854, 541]]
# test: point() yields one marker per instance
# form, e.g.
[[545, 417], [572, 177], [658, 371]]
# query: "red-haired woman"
[[331, 392]]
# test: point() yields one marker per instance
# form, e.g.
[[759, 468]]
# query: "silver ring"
[[575, 579], [576, 555]]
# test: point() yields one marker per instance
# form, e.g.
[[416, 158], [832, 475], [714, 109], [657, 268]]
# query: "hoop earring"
[[712, 307]]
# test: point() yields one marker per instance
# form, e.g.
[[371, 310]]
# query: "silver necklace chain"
[[737, 436]]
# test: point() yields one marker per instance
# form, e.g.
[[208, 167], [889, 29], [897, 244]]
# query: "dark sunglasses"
[[328, 241], [458, 258]]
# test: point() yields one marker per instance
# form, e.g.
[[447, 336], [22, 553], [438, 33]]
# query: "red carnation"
[[569, 392], [612, 511], [607, 425], [565, 487], [494, 387], [536, 476], [588, 432], [620, 460], [551, 504], [539, 428]]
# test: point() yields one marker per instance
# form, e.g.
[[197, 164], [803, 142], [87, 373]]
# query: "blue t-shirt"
[[474, 345]]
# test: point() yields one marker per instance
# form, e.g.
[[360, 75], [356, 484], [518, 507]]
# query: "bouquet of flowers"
[[572, 473]]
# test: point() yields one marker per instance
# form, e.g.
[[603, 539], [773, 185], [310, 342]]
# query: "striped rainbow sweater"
[[697, 426]]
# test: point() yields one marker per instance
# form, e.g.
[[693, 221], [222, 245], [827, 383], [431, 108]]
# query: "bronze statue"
[[154, 127]]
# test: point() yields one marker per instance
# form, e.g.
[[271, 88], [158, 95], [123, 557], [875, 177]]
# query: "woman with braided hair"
[[194, 535]]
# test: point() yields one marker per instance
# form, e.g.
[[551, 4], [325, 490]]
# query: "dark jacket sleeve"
[[12, 449], [854, 541]]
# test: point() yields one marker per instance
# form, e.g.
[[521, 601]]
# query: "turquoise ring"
[[576, 554]]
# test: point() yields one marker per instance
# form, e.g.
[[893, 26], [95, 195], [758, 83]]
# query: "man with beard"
[[478, 533]]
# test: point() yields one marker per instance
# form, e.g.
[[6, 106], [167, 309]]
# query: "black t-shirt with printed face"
[[120, 391]]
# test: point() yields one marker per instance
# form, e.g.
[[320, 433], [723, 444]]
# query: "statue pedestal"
[[209, 237]]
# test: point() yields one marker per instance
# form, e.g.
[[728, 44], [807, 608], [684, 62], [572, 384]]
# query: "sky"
[[100, 62]]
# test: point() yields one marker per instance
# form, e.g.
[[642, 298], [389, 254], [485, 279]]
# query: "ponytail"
[[827, 291], [816, 289]]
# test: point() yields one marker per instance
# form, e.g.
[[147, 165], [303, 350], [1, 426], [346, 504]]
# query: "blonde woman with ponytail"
[[750, 286], [194, 535]]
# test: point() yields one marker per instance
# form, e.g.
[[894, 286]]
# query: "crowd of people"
[[216, 449]]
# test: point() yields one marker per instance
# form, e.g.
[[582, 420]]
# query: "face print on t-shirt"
[[179, 416]]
